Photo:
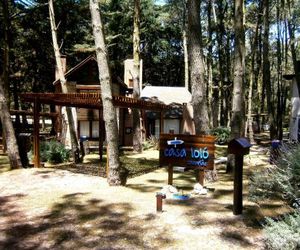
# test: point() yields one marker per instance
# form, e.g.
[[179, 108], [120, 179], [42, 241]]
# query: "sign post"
[[191, 151]]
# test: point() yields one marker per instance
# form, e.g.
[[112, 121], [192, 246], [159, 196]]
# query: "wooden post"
[[36, 134], [201, 177], [170, 174], [161, 125], [238, 185]]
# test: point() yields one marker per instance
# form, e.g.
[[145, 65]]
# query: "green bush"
[[222, 134], [284, 233], [151, 142], [53, 152], [281, 180]]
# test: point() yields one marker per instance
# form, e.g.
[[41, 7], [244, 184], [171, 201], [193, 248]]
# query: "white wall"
[[169, 124]]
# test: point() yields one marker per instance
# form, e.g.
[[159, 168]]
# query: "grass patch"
[[4, 164], [139, 166]]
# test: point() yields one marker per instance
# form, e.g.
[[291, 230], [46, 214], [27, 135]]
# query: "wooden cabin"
[[177, 120], [84, 78]]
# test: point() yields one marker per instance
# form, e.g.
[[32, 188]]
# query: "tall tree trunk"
[[5, 75], [109, 111], [222, 65], [249, 122], [185, 46], [280, 88], [266, 70], [291, 29], [237, 119], [259, 81], [8, 129], [213, 109], [137, 132], [254, 44], [71, 123], [198, 83]]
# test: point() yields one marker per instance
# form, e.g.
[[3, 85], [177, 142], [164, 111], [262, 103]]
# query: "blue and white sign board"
[[187, 151]]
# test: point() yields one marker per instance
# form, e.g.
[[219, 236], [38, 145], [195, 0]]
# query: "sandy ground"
[[56, 209]]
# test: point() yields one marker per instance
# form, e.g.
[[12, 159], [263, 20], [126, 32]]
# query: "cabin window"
[[171, 126], [85, 128], [95, 129], [89, 129]]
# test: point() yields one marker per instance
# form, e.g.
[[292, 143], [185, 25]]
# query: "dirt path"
[[56, 209]]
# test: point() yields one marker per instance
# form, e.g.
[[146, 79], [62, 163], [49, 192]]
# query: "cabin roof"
[[167, 95], [80, 66]]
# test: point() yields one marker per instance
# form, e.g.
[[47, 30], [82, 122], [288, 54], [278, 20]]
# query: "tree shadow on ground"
[[79, 222], [95, 167], [243, 230], [238, 230]]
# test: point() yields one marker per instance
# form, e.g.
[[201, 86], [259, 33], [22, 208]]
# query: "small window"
[[84, 128], [95, 129]]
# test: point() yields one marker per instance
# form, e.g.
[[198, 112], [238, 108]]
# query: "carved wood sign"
[[192, 151]]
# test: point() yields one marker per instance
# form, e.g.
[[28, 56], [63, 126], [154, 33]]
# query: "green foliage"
[[222, 134], [281, 179], [53, 152], [283, 234], [151, 143]]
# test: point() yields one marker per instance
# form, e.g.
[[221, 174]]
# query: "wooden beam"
[[30, 113], [161, 125], [170, 174], [201, 177], [90, 100], [36, 133]]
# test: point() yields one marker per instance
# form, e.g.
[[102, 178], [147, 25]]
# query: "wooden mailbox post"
[[192, 151], [239, 147]]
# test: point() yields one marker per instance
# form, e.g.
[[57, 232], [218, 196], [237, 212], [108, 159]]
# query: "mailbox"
[[240, 146]]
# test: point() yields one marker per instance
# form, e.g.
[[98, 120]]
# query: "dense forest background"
[[271, 34]]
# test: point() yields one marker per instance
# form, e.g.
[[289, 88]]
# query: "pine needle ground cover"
[[54, 208]]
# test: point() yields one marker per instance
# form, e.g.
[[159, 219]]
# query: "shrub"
[[284, 233], [53, 152], [222, 134], [281, 180], [151, 142]]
